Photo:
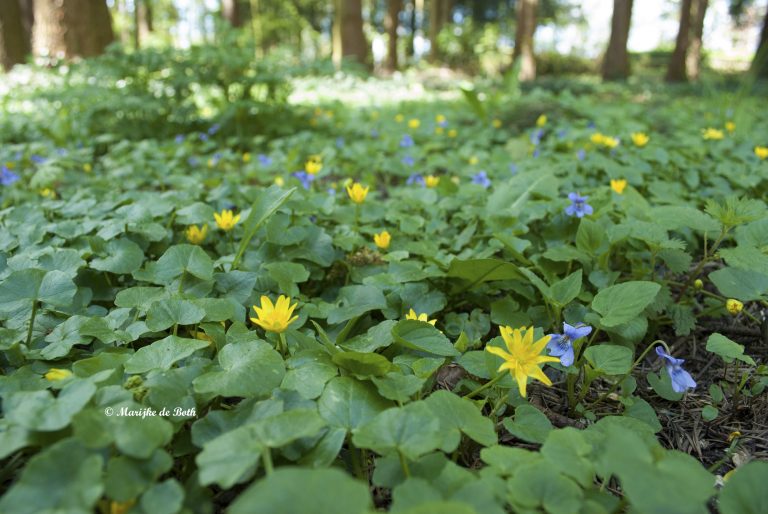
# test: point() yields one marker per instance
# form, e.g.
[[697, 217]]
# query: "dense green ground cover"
[[138, 376]]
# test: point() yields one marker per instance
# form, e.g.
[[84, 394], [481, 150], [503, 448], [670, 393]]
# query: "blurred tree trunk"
[[28, 19], [348, 37], [71, 28], [695, 44], [235, 12], [676, 69], [146, 18], [760, 60], [14, 45], [616, 60], [390, 23], [437, 16], [526, 26]]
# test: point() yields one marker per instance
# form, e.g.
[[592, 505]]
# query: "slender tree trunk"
[[437, 16], [71, 28], [676, 69], [27, 19], [696, 41], [390, 23], [760, 60], [14, 45], [230, 10], [526, 27], [616, 60], [136, 23], [348, 37]]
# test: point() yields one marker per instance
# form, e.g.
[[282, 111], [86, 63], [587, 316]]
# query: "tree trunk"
[[14, 45], [676, 69], [437, 17], [28, 19], [390, 23], [348, 37], [695, 43], [71, 28], [526, 26], [231, 11], [616, 60], [760, 60]]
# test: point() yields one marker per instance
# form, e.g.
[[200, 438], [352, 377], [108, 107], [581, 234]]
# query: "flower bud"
[[733, 306], [698, 284]]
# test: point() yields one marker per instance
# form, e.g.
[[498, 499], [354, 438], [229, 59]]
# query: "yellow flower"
[[728, 475], [196, 235], [473, 160], [357, 192], [640, 139], [610, 142], [414, 123], [313, 165], [277, 317], [121, 507], [382, 239], [440, 118], [280, 181], [399, 118], [761, 152], [431, 181], [247, 157], [618, 185], [54, 374], [733, 435], [87, 167], [211, 163], [524, 356], [452, 133], [496, 123], [48, 193], [733, 306], [597, 138], [420, 317], [541, 120], [227, 220], [713, 133], [439, 130], [730, 126]]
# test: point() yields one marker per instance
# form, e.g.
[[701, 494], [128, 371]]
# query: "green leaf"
[[741, 284], [22, 288], [163, 354], [662, 384], [248, 369], [621, 303], [398, 387], [609, 359], [305, 491], [348, 403], [181, 259], [477, 271], [460, 415], [65, 477], [164, 314], [567, 289], [745, 491], [163, 498], [268, 201], [422, 336], [124, 256], [529, 424], [357, 300], [411, 431], [708, 413], [589, 237], [41, 411], [363, 364], [727, 350]]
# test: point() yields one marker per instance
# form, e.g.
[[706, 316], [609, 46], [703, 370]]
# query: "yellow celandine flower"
[[439, 130], [382, 239], [496, 123], [730, 126], [541, 120], [473, 160], [414, 123], [196, 235], [440, 118], [277, 317], [227, 220], [47, 193], [761, 152], [399, 118], [54, 374], [610, 142], [357, 192], [618, 185], [420, 317], [453, 133], [431, 181], [247, 157], [280, 181], [713, 133], [313, 165], [523, 356], [733, 435], [640, 139], [733, 306], [87, 167], [597, 138]]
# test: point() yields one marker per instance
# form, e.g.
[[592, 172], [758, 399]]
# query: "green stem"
[[266, 459], [31, 322], [283, 343], [404, 465], [708, 253], [485, 386]]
